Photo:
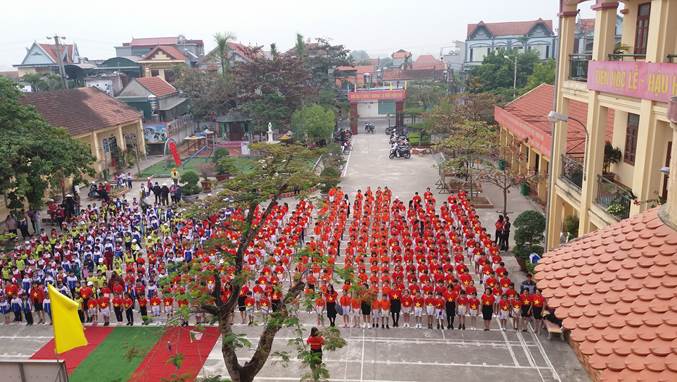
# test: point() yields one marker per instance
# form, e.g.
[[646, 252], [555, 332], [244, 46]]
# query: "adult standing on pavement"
[[156, 192], [331, 298], [499, 230], [316, 341], [11, 224], [505, 235], [164, 192]]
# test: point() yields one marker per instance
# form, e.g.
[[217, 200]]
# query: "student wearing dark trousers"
[[395, 308], [117, 308], [450, 310], [28, 311], [128, 304]]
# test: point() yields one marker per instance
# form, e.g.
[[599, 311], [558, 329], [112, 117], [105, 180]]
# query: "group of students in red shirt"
[[431, 266]]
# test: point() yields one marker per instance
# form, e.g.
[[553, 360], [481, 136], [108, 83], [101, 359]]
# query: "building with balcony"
[[483, 38], [634, 84], [525, 137]]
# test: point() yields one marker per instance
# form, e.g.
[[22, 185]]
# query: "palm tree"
[[300, 46], [222, 50], [273, 50]]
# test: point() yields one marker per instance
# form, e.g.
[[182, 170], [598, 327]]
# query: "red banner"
[[175, 153]]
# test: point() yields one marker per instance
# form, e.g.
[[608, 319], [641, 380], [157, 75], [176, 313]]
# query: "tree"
[[281, 169], [269, 90], [496, 73], [34, 155], [321, 57], [42, 82], [223, 51], [424, 95], [544, 73], [467, 143], [454, 110], [313, 124], [360, 57], [209, 94]]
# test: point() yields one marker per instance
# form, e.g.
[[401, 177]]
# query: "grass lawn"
[[163, 168], [118, 356]]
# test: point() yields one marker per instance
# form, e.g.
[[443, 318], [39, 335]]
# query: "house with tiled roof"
[[534, 35], [107, 125], [44, 58], [140, 47], [165, 111], [237, 53], [401, 59], [160, 55], [361, 76], [585, 33], [524, 126]]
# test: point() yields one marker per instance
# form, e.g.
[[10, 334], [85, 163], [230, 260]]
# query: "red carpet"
[[95, 336], [155, 366]]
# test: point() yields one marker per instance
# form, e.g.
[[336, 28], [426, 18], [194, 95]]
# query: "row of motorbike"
[[399, 146]]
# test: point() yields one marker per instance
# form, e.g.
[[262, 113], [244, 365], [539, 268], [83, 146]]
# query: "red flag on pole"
[[175, 153]]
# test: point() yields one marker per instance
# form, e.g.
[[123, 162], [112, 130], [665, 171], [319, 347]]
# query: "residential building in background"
[[237, 53], [635, 85], [107, 125], [140, 47], [454, 55], [401, 59], [165, 111], [585, 34], [44, 58], [483, 38]]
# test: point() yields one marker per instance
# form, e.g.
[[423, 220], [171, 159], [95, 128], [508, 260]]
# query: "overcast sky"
[[377, 26]]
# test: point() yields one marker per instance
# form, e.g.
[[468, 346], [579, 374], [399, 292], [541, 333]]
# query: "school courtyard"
[[377, 355]]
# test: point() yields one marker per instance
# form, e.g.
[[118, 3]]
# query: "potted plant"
[[206, 170], [190, 188], [529, 227], [524, 188], [217, 159], [612, 155], [225, 167]]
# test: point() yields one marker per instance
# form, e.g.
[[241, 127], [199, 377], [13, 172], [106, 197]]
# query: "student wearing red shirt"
[[462, 309], [395, 306], [503, 311], [104, 308], [331, 297], [319, 309], [430, 309], [117, 307], [128, 305], [537, 304], [487, 308], [385, 305], [407, 304], [249, 304], [525, 298], [344, 302], [143, 310], [419, 303], [516, 305], [439, 310], [155, 304], [473, 309], [355, 305], [450, 306], [168, 306], [315, 341]]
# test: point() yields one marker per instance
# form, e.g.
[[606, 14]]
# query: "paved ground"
[[396, 355], [400, 355]]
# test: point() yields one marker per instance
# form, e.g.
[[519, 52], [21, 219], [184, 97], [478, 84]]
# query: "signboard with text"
[[657, 82], [377, 95]]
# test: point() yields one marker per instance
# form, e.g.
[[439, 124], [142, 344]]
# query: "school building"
[[626, 90]]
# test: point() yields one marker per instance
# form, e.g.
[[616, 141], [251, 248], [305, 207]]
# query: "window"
[[642, 28], [478, 54], [631, 138]]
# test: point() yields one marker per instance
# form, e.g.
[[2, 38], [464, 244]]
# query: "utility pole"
[[59, 60], [514, 81]]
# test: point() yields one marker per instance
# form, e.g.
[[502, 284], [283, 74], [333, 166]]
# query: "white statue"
[[270, 132]]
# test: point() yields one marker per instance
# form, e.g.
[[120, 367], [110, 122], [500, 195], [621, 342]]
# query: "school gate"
[[375, 103]]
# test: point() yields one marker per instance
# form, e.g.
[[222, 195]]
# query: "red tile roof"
[[512, 28], [157, 86], [527, 117], [401, 54], [616, 290], [81, 110], [427, 61], [169, 50], [246, 52], [51, 51]]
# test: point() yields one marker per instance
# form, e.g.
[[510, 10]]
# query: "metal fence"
[[614, 198], [572, 171]]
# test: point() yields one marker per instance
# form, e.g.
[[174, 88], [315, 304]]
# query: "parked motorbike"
[[390, 130], [400, 151]]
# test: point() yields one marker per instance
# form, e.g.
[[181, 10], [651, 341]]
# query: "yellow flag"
[[68, 330]]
